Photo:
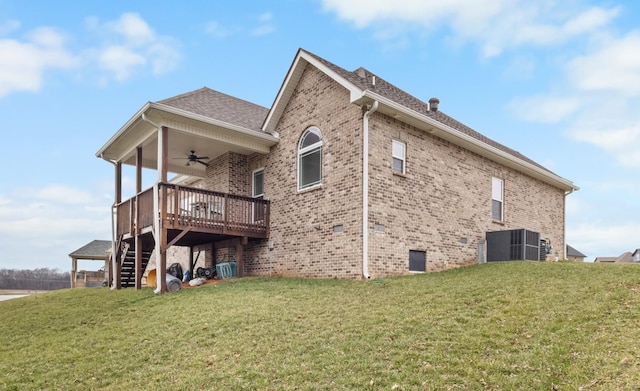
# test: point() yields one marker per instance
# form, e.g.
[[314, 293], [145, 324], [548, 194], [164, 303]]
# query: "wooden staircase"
[[128, 264]]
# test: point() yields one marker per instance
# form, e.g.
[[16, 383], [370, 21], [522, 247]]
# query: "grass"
[[507, 326]]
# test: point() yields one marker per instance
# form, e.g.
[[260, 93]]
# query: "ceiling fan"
[[192, 158]]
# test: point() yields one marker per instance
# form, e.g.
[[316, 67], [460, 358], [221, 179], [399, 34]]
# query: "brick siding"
[[441, 206]]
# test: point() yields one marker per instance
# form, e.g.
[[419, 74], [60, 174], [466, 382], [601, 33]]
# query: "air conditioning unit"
[[513, 245]]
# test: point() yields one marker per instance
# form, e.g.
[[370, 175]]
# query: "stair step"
[[128, 265]]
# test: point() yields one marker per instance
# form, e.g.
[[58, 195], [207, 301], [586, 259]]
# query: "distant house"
[[626, 257], [605, 259], [345, 175], [96, 250], [575, 255]]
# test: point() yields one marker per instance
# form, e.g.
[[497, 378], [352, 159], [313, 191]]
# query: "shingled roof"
[[231, 110], [363, 79], [572, 252], [94, 249], [221, 107]]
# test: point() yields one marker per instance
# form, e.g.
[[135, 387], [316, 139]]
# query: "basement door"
[[417, 261]]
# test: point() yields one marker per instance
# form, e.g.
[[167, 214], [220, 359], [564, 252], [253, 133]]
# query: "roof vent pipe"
[[433, 104]]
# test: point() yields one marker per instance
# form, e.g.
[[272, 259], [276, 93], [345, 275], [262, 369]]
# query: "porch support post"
[[114, 270], [118, 184], [138, 239], [139, 270], [117, 267], [240, 242], [161, 207], [74, 270], [138, 170], [191, 262]]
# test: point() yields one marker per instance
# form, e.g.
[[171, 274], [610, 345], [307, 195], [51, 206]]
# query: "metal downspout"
[[365, 189], [564, 227]]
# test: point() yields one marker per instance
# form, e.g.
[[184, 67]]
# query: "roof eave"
[[164, 111], [446, 132], [136, 117]]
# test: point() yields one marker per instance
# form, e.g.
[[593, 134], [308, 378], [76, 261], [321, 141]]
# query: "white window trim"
[[402, 158], [497, 194], [305, 151]]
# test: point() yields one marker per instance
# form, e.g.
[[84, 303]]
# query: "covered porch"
[[163, 136]]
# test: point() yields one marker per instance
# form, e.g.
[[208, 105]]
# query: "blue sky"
[[557, 81]]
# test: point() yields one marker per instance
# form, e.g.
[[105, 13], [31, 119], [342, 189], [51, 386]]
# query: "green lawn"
[[507, 326]]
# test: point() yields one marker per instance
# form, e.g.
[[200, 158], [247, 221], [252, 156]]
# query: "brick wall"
[[302, 222], [443, 204]]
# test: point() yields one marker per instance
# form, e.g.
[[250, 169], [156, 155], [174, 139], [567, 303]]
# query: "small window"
[[497, 196], [398, 155], [310, 158]]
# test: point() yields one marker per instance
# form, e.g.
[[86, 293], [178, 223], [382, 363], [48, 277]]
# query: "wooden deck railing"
[[201, 210]]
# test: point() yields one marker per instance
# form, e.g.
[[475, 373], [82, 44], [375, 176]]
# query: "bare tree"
[[42, 279]]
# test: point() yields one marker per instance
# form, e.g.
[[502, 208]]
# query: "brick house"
[[344, 176]]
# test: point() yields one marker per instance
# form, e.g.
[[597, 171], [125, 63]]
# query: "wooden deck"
[[194, 215]]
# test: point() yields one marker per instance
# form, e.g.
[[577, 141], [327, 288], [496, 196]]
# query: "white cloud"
[[494, 26], [120, 61], [23, 63], [265, 26], [613, 67], [588, 232], [520, 68], [218, 31], [364, 13], [164, 55], [598, 93], [9, 26], [127, 45], [133, 29], [130, 46], [62, 194], [590, 20], [619, 136], [48, 223], [602, 240], [544, 108]]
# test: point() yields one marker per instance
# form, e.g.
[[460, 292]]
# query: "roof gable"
[[300, 62]]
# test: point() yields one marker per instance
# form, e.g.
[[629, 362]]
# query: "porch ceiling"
[[186, 132]]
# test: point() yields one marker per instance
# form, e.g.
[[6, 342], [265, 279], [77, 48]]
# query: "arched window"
[[310, 158]]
